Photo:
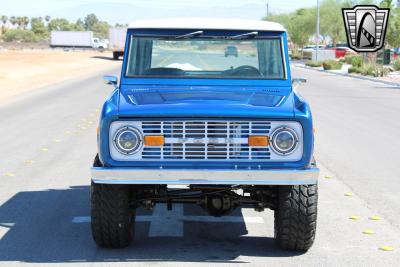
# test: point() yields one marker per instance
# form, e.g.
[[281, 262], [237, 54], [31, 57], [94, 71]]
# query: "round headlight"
[[128, 140], [284, 140]]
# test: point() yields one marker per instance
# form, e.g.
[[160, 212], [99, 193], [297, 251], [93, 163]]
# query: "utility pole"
[[267, 8], [317, 47]]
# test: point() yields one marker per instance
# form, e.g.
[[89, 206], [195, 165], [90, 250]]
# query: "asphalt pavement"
[[48, 141]]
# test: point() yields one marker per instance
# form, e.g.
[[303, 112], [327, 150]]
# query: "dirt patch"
[[22, 71]]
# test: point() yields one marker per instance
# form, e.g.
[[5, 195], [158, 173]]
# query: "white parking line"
[[170, 223], [165, 222]]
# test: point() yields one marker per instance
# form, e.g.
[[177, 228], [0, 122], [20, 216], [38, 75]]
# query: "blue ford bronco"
[[186, 124]]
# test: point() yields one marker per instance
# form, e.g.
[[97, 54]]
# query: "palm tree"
[[13, 20], [3, 21], [24, 22], [19, 22], [47, 19]]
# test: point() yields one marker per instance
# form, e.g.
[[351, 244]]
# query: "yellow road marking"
[[354, 217], [44, 149], [368, 232], [328, 177], [9, 174], [28, 161], [348, 194], [375, 218], [386, 248]]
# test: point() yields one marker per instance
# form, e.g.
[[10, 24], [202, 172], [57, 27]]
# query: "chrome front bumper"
[[205, 176]]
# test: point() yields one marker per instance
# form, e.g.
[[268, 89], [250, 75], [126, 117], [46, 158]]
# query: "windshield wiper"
[[243, 36], [189, 35]]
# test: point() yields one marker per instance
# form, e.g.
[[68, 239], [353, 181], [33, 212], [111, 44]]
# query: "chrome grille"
[[206, 140]]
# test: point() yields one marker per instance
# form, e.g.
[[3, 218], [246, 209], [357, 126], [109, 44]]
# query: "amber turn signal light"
[[258, 140], [154, 140]]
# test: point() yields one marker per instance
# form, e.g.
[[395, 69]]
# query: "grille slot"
[[206, 140]]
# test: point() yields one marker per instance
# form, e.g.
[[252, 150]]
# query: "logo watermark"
[[365, 27]]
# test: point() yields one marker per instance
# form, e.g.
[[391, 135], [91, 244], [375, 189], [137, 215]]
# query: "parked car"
[[396, 53], [341, 50], [307, 51], [312, 47], [235, 134], [231, 51]]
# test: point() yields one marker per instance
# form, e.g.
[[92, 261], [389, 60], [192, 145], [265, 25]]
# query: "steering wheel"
[[246, 70]]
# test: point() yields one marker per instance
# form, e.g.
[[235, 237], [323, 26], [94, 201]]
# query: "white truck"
[[76, 39], [117, 38]]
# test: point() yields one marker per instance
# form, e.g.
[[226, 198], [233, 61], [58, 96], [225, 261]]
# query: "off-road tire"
[[112, 217], [296, 217]]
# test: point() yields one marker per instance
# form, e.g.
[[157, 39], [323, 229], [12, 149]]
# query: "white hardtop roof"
[[207, 24]]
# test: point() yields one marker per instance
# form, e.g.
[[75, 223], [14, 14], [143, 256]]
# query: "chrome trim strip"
[[204, 176], [182, 145]]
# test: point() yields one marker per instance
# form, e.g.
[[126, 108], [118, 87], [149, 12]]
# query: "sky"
[[124, 11]]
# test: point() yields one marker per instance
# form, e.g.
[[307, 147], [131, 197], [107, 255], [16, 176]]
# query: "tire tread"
[[296, 217], [112, 218]]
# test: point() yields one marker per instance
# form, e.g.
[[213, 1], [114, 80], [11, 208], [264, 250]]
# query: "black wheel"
[[296, 217], [112, 217], [115, 55]]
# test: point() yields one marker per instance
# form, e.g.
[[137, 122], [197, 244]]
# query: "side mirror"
[[109, 79], [297, 81]]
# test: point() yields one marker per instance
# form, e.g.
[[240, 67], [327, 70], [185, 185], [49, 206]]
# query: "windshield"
[[205, 58]]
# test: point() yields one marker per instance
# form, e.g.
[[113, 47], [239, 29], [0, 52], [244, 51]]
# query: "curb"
[[352, 76]]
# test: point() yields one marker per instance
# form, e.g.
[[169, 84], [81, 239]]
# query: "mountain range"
[[125, 12]]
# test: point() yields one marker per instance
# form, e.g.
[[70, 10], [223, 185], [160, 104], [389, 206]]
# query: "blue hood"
[[202, 101]]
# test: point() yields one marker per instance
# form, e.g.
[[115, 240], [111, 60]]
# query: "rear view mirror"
[[109, 79]]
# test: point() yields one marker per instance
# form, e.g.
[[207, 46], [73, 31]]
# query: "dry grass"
[[22, 71]]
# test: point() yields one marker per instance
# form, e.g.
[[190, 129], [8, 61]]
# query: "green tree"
[[283, 19], [60, 25], [299, 24], [24, 22], [4, 20], [90, 20], [100, 29], [392, 37], [13, 20], [79, 25], [20, 35], [38, 27], [19, 22], [332, 21], [302, 26], [387, 4]]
